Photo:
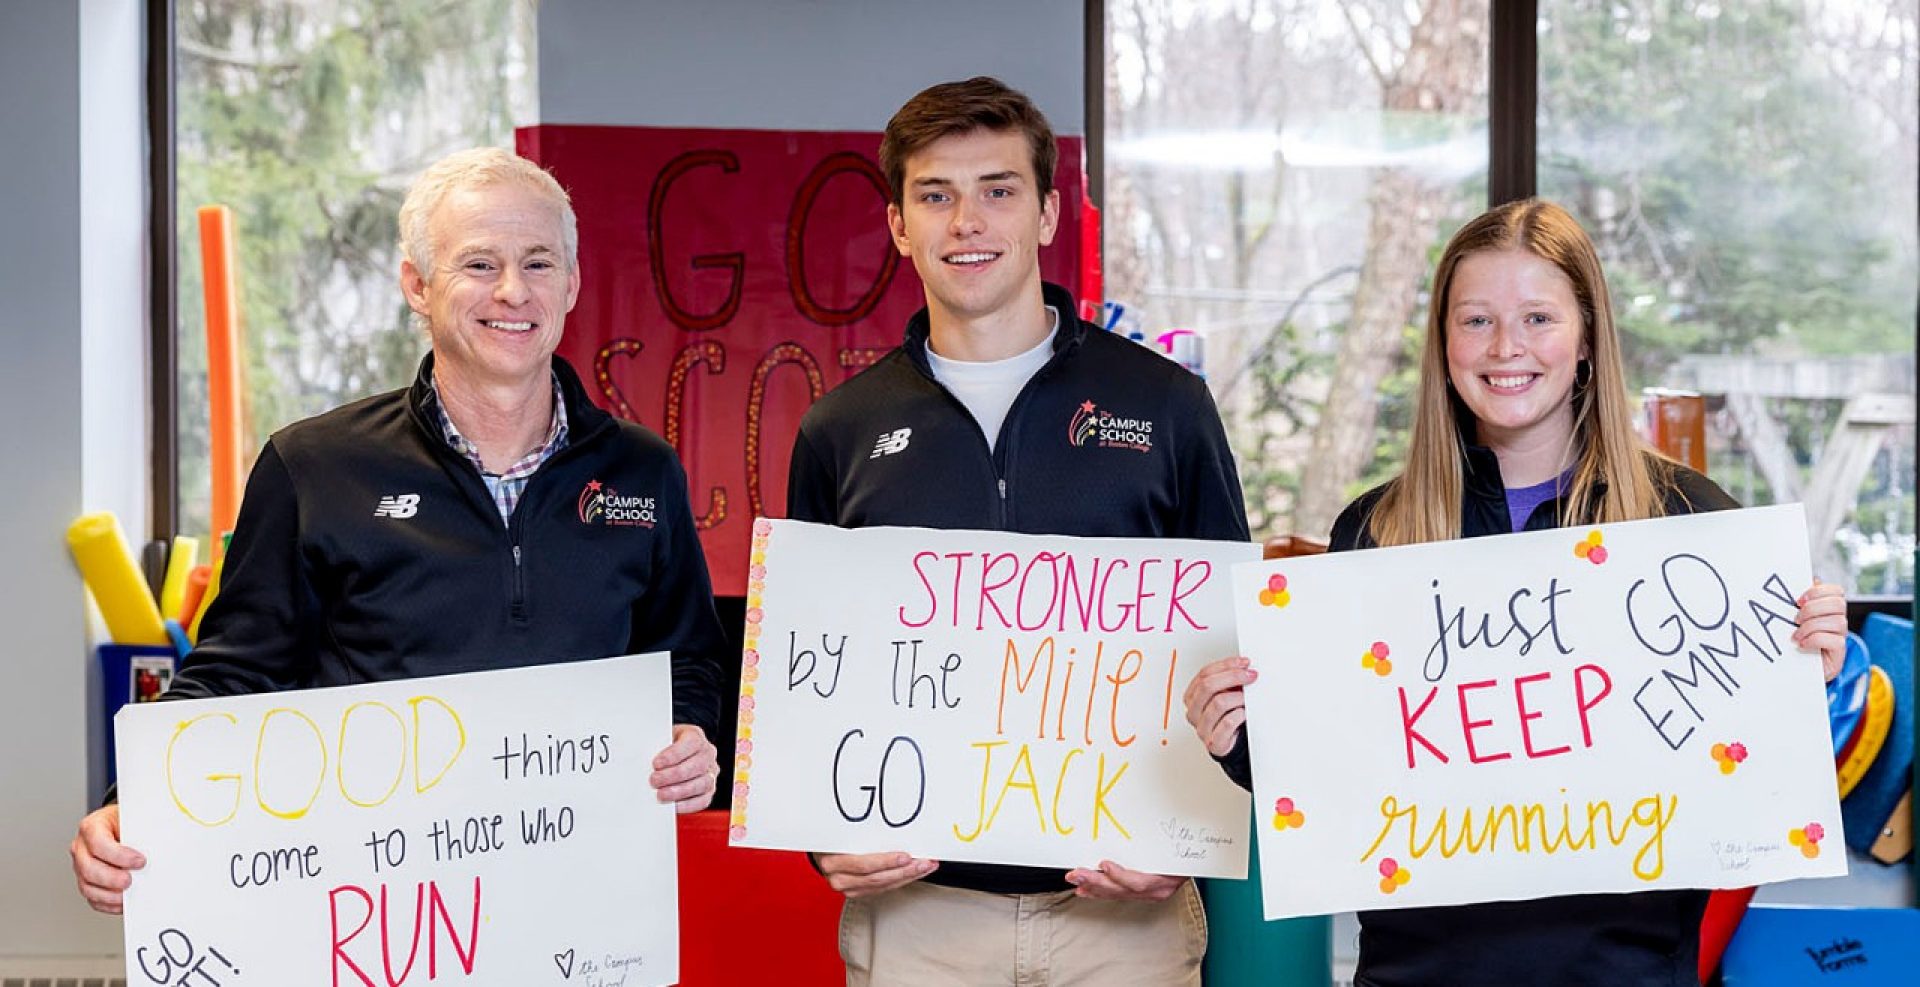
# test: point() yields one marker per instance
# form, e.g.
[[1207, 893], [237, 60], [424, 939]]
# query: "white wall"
[[798, 64], [72, 400]]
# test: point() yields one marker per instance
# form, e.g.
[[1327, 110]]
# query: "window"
[[1748, 174], [308, 118], [1281, 176], [1278, 178]]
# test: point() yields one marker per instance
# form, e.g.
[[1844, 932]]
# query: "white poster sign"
[[488, 828], [984, 696], [1605, 709]]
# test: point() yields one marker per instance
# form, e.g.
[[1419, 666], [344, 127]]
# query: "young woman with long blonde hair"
[[1523, 423]]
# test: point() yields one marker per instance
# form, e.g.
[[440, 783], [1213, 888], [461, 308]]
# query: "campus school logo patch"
[[1095, 426], [603, 505]]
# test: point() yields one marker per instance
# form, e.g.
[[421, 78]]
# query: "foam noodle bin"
[[1617, 708], [220, 273], [114, 579], [180, 562], [985, 696], [487, 828]]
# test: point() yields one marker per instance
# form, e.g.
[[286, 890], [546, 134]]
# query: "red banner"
[[728, 279]]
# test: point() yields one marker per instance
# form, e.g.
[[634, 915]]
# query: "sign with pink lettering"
[[984, 696], [488, 828], [1618, 708]]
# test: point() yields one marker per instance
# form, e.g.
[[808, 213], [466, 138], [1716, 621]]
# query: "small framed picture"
[[150, 678]]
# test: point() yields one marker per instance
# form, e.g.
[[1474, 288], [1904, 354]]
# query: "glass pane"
[[1748, 173], [1279, 178], [308, 118]]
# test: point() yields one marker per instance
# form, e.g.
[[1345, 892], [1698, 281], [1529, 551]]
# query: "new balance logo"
[[398, 506], [891, 442]]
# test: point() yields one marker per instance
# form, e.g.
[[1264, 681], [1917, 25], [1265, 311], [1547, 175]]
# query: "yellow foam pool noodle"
[[114, 579], [180, 560]]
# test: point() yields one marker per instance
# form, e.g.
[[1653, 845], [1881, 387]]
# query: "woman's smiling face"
[[1515, 337]]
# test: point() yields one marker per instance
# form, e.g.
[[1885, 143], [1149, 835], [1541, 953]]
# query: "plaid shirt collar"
[[507, 486]]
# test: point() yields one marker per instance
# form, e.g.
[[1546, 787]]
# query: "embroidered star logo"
[[593, 485], [1086, 406]]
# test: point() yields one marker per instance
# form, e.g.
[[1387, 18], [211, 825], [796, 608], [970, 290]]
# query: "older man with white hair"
[[446, 526]]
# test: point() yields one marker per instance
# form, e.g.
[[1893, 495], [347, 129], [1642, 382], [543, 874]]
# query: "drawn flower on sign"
[[1286, 816], [1375, 657], [1275, 595], [1729, 756], [1589, 548], [1807, 838], [1393, 876]]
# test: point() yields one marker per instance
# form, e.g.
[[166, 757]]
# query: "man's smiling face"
[[973, 220], [500, 289]]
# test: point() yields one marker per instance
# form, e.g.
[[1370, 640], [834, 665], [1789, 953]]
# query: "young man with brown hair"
[[970, 423]]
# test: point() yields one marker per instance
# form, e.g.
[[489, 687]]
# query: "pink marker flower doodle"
[[1393, 876], [1375, 657], [1807, 838], [1729, 756], [1589, 548], [1275, 594], [1286, 816]]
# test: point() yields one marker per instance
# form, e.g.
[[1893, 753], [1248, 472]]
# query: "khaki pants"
[[924, 935]]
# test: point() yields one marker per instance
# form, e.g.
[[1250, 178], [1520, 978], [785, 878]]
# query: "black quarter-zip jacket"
[[367, 549], [1108, 439], [1642, 938]]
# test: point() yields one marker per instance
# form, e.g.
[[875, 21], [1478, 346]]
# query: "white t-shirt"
[[988, 389]]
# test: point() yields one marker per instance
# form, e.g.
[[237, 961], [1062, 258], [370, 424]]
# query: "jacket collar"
[[1482, 481], [1482, 478], [1072, 330], [584, 418]]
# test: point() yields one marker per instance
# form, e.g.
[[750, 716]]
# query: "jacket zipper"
[[1002, 521], [1002, 453], [518, 608], [517, 605]]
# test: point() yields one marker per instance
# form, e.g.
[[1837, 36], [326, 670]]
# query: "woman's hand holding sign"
[[1823, 625], [1216, 702]]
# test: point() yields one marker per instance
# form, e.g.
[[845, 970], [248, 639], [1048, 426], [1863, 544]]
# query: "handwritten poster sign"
[[1618, 708], [984, 696], [487, 828]]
